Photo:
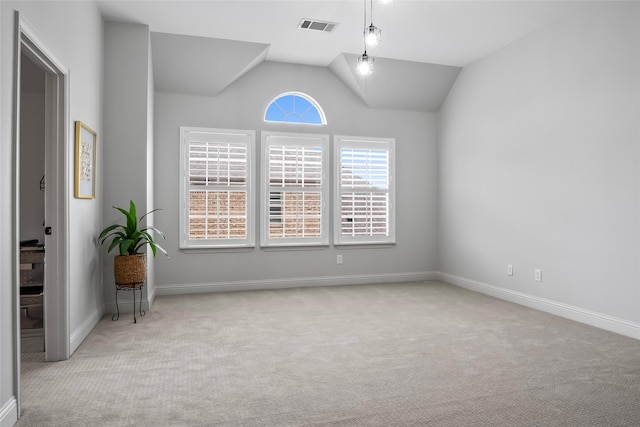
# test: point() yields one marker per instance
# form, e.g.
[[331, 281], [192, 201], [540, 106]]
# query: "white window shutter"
[[217, 189], [364, 190], [295, 191]]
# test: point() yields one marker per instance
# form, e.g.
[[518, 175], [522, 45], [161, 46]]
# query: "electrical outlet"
[[339, 259], [509, 270], [537, 275]]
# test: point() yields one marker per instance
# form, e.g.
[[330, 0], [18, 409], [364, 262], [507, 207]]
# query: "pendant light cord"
[[371, 11], [364, 21]]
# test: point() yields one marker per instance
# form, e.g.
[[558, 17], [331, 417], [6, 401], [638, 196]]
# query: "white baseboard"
[[9, 413], [300, 282], [83, 331], [592, 318], [151, 297]]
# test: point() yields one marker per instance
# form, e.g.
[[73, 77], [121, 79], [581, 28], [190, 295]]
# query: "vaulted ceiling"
[[424, 43]]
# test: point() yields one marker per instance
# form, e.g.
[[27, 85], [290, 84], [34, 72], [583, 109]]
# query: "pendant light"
[[372, 33], [364, 66]]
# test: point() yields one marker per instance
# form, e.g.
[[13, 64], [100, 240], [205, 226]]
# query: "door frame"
[[56, 295]]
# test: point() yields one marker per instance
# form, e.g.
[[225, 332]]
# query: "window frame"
[[313, 102], [217, 135], [269, 138], [369, 143]]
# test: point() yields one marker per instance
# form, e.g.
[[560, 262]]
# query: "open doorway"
[[44, 118], [32, 212]]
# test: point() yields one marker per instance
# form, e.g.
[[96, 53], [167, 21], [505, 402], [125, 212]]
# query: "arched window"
[[295, 107]]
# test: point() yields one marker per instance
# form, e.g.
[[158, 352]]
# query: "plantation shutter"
[[217, 172], [294, 209], [364, 191]]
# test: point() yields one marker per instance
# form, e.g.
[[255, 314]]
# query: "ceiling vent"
[[313, 24]]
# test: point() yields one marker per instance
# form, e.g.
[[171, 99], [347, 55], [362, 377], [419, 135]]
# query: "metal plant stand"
[[131, 287]]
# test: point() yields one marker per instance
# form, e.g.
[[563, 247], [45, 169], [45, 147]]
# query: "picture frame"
[[85, 161]]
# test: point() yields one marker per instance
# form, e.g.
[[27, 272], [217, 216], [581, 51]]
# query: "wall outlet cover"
[[537, 275]]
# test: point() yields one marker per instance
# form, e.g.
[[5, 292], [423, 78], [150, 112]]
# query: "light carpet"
[[405, 354]]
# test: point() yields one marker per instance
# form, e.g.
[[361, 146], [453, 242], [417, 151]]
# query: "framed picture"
[[86, 152]]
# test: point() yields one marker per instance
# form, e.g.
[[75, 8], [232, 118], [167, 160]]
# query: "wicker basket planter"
[[130, 271]]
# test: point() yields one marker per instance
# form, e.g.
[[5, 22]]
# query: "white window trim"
[[303, 139], [340, 141], [226, 135], [323, 117]]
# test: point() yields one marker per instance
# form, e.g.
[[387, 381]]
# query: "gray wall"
[[242, 106], [127, 136], [7, 326], [73, 32], [540, 166]]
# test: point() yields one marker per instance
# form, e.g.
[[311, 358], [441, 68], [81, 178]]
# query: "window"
[[295, 189], [216, 167], [295, 107], [364, 190]]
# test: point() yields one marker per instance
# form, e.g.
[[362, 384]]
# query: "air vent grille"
[[314, 24]]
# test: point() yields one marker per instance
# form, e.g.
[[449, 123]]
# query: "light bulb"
[[372, 35], [365, 64]]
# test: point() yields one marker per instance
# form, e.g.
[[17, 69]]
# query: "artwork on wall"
[[86, 156]]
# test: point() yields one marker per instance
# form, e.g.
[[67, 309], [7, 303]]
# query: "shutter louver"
[[364, 191], [364, 195], [295, 181], [294, 206], [217, 177], [217, 201]]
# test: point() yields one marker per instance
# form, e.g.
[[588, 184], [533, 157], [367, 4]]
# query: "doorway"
[[32, 213], [47, 93]]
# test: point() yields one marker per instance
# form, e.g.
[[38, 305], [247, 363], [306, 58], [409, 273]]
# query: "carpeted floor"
[[409, 354]]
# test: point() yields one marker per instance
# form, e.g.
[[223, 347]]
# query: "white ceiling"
[[440, 32], [423, 42]]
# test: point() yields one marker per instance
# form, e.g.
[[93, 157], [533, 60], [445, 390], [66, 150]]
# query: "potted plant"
[[130, 267]]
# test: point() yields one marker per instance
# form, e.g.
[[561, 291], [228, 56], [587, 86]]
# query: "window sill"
[[294, 247], [365, 245], [217, 249]]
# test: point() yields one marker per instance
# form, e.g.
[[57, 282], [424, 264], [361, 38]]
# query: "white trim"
[[589, 317], [300, 282], [214, 135], [323, 117], [15, 214], [39, 48], [57, 95], [85, 329], [367, 143], [56, 301], [269, 138], [9, 413], [151, 297], [57, 337]]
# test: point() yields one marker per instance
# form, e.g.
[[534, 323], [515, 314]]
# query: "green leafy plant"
[[131, 238]]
